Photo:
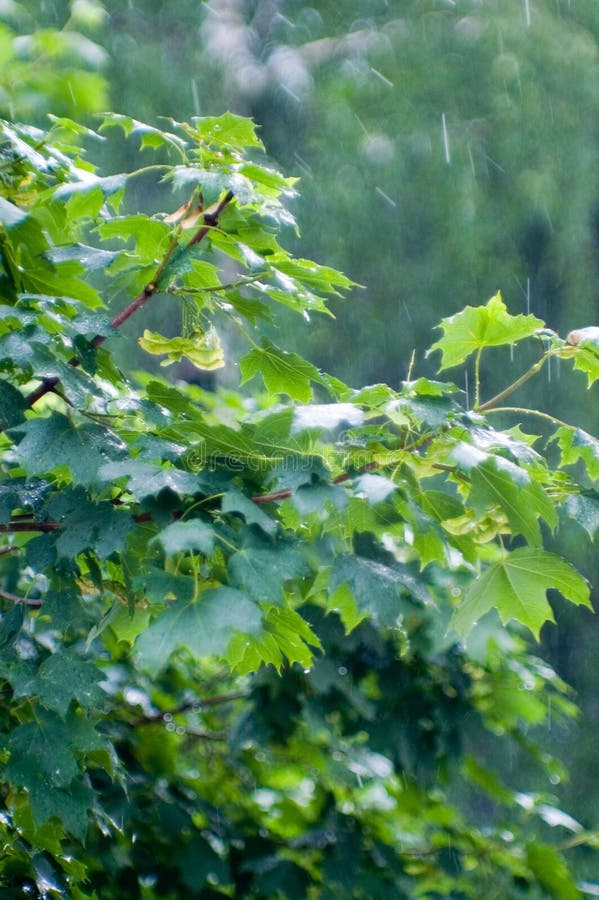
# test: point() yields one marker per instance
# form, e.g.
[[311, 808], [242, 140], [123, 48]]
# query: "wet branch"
[[210, 220], [26, 601], [189, 706]]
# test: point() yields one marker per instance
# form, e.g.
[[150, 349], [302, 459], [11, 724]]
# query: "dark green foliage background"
[[355, 99]]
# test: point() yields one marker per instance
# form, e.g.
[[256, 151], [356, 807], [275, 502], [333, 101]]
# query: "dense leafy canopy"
[[229, 647]]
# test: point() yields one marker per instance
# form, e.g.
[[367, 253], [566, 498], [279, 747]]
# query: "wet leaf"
[[476, 327], [516, 586]]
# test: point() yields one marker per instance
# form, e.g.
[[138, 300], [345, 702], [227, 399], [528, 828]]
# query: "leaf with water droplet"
[[57, 442]]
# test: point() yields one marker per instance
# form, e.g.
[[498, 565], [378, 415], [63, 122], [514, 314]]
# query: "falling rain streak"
[[382, 77], [445, 139], [385, 196]]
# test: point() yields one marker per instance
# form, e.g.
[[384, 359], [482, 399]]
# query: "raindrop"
[[445, 139], [527, 12], [466, 389], [385, 196], [196, 96], [380, 75], [291, 93], [302, 162], [342, 670], [471, 158]]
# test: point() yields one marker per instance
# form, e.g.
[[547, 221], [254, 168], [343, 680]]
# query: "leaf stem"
[[510, 389], [217, 287], [477, 359], [531, 412], [24, 600]]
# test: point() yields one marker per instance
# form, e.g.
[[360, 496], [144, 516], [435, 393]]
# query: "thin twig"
[[521, 410], [508, 391], [189, 706], [210, 221], [206, 735], [24, 600], [216, 288], [28, 525]]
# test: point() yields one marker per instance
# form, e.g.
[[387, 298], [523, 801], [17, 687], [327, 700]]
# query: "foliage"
[[45, 68], [445, 148], [230, 643]]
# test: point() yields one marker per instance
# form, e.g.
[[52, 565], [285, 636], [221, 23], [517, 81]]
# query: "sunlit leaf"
[[476, 327]]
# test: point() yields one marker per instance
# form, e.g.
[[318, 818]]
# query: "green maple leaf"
[[517, 587], [576, 444], [476, 327], [282, 372], [235, 501], [147, 480], [12, 405], [204, 627], [56, 441], [43, 760], [193, 534], [584, 509], [262, 572], [498, 481], [61, 678], [377, 589], [98, 526]]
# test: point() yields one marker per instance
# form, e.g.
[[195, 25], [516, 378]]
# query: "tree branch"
[[190, 705], [11, 549], [28, 525], [210, 221], [24, 600]]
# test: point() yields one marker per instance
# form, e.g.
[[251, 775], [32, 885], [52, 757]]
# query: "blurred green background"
[[447, 149]]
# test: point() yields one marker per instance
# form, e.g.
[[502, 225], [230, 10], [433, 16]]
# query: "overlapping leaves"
[[182, 528]]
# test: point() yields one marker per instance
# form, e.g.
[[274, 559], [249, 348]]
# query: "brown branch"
[[28, 525], [285, 494], [223, 698], [11, 549], [24, 600], [207, 735], [210, 221], [216, 700]]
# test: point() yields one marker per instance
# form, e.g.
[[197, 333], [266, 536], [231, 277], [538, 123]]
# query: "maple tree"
[[232, 634]]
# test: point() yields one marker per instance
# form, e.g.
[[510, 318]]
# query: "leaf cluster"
[[234, 622]]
